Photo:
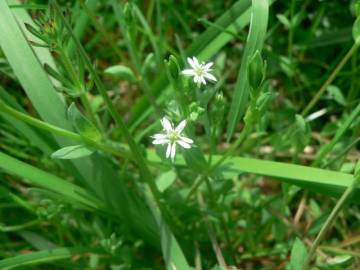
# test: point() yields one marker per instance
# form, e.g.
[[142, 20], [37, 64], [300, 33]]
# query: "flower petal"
[[191, 62], [173, 151], [167, 125], [181, 126], [187, 140], [168, 150], [208, 65], [184, 144], [203, 80], [160, 141], [188, 72], [196, 62], [210, 77], [159, 136], [196, 79]]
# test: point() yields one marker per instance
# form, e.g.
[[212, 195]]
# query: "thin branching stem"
[[137, 154], [330, 220], [330, 79]]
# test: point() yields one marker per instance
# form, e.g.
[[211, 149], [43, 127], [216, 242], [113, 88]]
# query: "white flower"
[[199, 71], [172, 137]]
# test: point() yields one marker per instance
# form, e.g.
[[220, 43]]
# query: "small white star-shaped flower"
[[172, 137], [200, 72]]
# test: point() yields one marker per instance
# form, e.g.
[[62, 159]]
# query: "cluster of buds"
[[49, 30]]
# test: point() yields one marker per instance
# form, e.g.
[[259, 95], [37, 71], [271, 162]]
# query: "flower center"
[[173, 136], [199, 71]]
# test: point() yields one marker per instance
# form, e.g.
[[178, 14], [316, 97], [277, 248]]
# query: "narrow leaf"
[[255, 41], [72, 152], [356, 31], [82, 125], [121, 72], [48, 181], [44, 256]]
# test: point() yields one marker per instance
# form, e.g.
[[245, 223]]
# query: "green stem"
[[291, 30], [138, 157], [340, 132], [108, 38], [84, 98], [211, 233], [23, 226], [330, 220], [244, 133], [61, 132], [330, 79], [130, 44], [249, 121]]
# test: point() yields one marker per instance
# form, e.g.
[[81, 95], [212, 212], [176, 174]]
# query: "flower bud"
[[173, 68], [256, 71], [218, 109]]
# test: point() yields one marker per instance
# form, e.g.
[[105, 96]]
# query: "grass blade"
[[204, 47], [255, 41], [44, 256], [52, 108], [318, 180], [340, 132], [37, 177]]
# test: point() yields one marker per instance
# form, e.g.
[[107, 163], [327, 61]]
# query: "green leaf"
[[81, 23], [285, 21], [255, 41], [72, 152], [298, 255], [335, 93], [204, 47], [40, 178], [356, 31], [341, 260], [44, 256], [82, 125], [165, 180], [339, 133], [121, 72], [256, 72], [171, 250], [330, 183]]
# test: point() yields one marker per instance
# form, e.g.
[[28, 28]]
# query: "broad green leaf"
[[254, 42], [72, 152], [82, 125], [121, 72], [298, 255], [44, 256]]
